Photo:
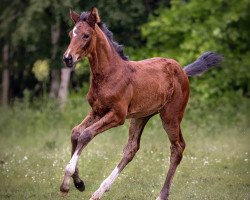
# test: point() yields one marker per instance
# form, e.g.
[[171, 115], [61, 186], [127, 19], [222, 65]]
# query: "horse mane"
[[118, 47]]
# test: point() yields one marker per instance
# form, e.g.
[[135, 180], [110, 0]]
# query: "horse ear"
[[93, 17], [74, 16]]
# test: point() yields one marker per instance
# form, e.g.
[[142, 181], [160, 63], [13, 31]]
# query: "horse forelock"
[[84, 16]]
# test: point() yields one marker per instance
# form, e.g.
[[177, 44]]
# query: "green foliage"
[[189, 28], [124, 17], [176, 29], [38, 18], [82, 67], [27, 27], [41, 69]]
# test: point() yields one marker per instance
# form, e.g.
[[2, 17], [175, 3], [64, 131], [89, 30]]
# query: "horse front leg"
[[111, 119], [88, 121]]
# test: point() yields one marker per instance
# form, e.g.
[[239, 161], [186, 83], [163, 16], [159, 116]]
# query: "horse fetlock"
[[92, 198], [160, 198], [98, 194], [95, 196], [64, 189]]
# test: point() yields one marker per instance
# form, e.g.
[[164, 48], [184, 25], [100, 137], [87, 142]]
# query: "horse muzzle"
[[68, 60]]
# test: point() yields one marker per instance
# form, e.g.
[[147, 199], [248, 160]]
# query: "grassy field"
[[35, 148]]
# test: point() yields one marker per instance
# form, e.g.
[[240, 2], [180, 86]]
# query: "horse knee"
[[85, 137], [75, 133]]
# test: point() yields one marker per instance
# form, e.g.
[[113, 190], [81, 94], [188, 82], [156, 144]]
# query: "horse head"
[[82, 37]]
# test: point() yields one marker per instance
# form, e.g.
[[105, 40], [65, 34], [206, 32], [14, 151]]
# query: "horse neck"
[[103, 58]]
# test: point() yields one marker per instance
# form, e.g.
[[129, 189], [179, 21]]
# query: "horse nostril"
[[67, 59], [70, 58]]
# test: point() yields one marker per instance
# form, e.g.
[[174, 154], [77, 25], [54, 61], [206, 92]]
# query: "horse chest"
[[99, 102]]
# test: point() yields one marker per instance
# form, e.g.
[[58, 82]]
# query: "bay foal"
[[121, 89]]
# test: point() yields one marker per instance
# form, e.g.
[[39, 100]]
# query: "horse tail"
[[203, 63]]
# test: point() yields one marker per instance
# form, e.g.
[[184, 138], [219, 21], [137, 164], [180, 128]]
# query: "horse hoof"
[[63, 191], [80, 185]]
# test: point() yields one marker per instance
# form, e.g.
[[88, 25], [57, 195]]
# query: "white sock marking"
[[69, 170], [71, 166], [106, 184]]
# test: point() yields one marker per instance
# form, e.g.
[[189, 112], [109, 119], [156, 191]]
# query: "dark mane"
[[119, 48]]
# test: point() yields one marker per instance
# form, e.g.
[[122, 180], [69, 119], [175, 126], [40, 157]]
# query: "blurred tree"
[[37, 30], [55, 79], [189, 28], [125, 17], [63, 89], [5, 76], [41, 19], [10, 13]]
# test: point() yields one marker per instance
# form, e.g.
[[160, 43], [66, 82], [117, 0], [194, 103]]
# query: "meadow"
[[35, 148]]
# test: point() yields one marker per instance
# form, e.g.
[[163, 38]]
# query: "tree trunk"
[[55, 83], [5, 85], [64, 85], [5, 76], [55, 34], [55, 73]]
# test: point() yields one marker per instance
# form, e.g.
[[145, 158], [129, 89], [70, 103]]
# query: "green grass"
[[35, 148]]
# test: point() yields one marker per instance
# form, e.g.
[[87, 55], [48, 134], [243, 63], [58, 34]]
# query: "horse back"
[[155, 81]]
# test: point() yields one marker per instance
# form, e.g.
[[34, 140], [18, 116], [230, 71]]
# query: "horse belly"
[[148, 101], [153, 85]]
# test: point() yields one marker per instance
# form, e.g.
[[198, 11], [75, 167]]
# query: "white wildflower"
[[205, 162]]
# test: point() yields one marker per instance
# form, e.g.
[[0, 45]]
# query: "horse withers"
[[121, 89]]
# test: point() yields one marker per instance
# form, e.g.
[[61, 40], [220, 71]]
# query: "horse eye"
[[85, 36]]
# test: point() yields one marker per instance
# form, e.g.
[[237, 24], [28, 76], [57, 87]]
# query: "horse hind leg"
[[171, 125], [132, 146]]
